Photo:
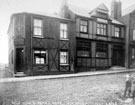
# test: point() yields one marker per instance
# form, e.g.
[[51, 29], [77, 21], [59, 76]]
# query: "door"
[[117, 57], [19, 60]]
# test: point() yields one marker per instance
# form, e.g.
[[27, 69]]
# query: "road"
[[88, 90]]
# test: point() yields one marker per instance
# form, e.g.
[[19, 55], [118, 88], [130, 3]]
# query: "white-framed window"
[[134, 34], [38, 26], [101, 29], [63, 31], [40, 56], [116, 32], [84, 26], [63, 57]]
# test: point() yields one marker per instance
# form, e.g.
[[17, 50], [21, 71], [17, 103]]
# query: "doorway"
[[19, 59], [118, 57]]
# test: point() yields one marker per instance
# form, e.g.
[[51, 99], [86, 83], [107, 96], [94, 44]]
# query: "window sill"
[[40, 64], [64, 64], [35, 36], [84, 32], [64, 39]]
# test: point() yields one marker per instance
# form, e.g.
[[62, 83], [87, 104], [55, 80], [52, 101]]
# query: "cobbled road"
[[88, 90]]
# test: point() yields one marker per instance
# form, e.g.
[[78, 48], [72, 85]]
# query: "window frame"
[[102, 15], [38, 27], [83, 26], [64, 31], [67, 57], [83, 45], [101, 30], [117, 32], [133, 35], [39, 54], [103, 48]]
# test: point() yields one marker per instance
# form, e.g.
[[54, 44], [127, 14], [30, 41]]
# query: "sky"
[[8, 7]]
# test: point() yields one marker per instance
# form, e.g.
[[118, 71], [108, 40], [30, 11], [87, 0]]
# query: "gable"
[[101, 8]]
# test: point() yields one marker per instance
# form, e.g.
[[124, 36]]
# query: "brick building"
[[128, 18], [41, 44], [76, 40], [100, 39]]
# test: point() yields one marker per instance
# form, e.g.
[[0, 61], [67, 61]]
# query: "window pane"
[[63, 57], [63, 31], [133, 34], [37, 60], [83, 26], [40, 56], [42, 61], [37, 27], [101, 29]]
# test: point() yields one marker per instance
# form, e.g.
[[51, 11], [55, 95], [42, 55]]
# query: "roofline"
[[47, 15]]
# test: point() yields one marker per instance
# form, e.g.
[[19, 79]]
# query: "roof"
[[116, 22], [128, 10], [101, 8], [79, 11], [86, 12], [55, 15]]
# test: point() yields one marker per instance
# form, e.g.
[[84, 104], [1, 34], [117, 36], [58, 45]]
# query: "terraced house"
[[75, 40], [100, 38]]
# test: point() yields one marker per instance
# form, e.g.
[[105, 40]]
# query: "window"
[[37, 27], [12, 56], [83, 48], [84, 26], [40, 57], [63, 31], [134, 34], [101, 50], [133, 53], [102, 15], [101, 29], [63, 57], [117, 32], [83, 52]]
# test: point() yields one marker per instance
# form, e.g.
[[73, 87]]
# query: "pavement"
[[80, 74]]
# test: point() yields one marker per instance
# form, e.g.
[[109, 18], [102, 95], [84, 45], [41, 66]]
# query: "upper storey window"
[[38, 27], [63, 31], [117, 32], [83, 26], [101, 29], [134, 34], [102, 15]]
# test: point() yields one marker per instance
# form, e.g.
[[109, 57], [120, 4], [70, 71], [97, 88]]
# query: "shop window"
[[101, 50], [83, 52]]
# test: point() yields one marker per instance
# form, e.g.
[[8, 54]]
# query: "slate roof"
[[79, 11], [86, 13], [128, 10]]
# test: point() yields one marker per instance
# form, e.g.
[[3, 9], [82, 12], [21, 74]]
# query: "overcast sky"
[[8, 7]]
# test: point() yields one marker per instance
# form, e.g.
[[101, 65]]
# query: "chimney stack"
[[64, 9], [116, 9]]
